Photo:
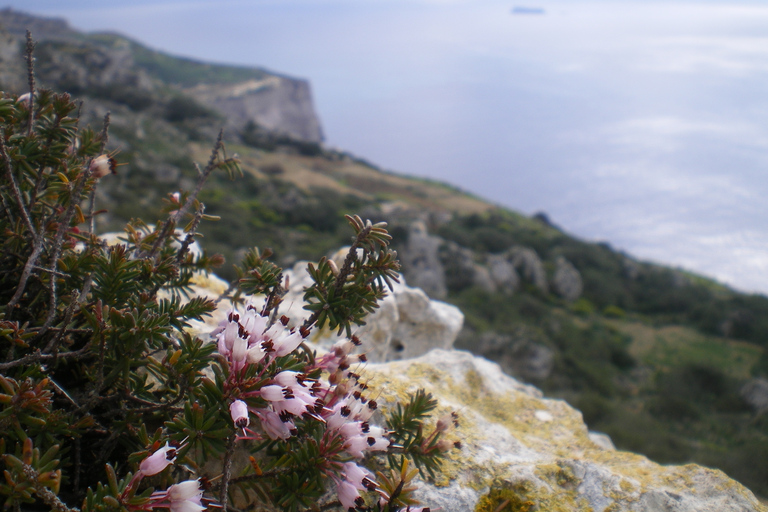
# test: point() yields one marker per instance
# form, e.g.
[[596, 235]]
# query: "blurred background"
[[637, 123]]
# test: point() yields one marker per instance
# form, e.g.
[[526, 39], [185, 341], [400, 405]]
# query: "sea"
[[642, 124]]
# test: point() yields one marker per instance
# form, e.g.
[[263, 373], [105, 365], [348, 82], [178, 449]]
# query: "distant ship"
[[527, 10]]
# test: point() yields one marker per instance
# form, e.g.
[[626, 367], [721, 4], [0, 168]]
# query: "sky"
[[639, 123]]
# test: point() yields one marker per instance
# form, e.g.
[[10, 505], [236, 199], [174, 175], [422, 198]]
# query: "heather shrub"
[[107, 402]]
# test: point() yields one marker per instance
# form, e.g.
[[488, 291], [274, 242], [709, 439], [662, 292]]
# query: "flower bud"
[[103, 165], [239, 412]]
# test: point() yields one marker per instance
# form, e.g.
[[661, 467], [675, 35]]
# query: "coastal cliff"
[[112, 66]]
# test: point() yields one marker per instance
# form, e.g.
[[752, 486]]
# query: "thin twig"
[[54, 343], [15, 187], [346, 269], [30, 50], [37, 249], [43, 492], [174, 219], [190, 238], [39, 357], [203, 178], [226, 472], [51, 271], [62, 392]]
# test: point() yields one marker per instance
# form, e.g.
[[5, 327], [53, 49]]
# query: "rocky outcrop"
[[529, 265], [437, 266], [278, 104], [567, 281], [78, 66], [42, 28], [755, 394], [503, 273], [407, 323], [536, 454], [518, 354], [421, 261], [462, 270]]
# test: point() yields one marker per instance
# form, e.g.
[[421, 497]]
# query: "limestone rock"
[[502, 273], [567, 281], [461, 269], [528, 263], [406, 324], [519, 446], [421, 262], [279, 104], [755, 393], [518, 354]]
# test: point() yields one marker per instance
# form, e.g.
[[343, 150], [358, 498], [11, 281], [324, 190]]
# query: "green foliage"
[[406, 424], [260, 138], [345, 296]]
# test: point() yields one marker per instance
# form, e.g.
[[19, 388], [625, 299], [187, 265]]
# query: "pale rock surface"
[[529, 265], [421, 261], [519, 446], [755, 393], [277, 103], [406, 324], [503, 273], [567, 281]]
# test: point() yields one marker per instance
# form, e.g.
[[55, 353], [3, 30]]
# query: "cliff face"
[[276, 103]]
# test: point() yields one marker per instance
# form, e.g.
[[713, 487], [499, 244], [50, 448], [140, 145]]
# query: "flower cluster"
[[281, 398]]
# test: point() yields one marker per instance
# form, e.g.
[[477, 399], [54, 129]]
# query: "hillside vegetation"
[[653, 356]]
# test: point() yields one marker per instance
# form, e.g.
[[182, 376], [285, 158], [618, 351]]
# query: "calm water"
[[644, 124]]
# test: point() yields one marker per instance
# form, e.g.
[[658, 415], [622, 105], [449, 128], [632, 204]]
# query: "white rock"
[[519, 446], [406, 324]]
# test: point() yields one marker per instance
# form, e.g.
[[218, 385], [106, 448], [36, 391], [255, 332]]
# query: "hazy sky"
[[640, 123]]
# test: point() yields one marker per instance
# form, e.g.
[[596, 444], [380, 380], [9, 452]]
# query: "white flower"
[[185, 490], [103, 165]]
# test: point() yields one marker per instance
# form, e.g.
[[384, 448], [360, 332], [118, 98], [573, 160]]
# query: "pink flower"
[[239, 412], [158, 461], [348, 495], [274, 425], [360, 477]]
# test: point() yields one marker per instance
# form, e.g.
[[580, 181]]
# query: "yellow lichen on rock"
[[521, 451]]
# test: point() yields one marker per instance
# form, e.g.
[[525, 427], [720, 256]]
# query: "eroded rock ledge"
[[519, 446]]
